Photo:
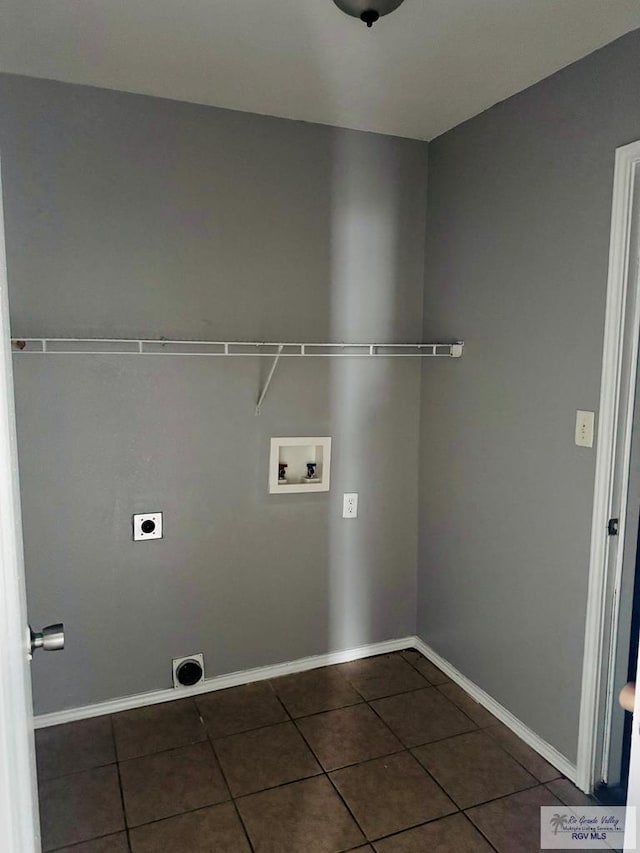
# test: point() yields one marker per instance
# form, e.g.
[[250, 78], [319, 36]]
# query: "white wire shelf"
[[233, 349], [124, 346]]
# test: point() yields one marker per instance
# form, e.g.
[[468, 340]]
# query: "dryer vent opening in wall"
[[188, 671]]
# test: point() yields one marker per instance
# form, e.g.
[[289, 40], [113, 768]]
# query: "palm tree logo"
[[558, 822]]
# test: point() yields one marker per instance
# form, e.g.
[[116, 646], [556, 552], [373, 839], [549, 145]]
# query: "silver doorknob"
[[51, 638]]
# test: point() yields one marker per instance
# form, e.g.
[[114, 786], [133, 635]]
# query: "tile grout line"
[[458, 811], [478, 830], [89, 770], [436, 782], [325, 773], [232, 800], [437, 687], [564, 779], [226, 782], [293, 720], [76, 772], [124, 811], [524, 767], [477, 728], [482, 728], [78, 844], [328, 710], [428, 823], [426, 743], [403, 748], [433, 686], [460, 708], [171, 817], [334, 787], [321, 771], [206, 740], [495, 800], [465, 809]]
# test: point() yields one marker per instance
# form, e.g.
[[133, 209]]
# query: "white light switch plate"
[[584, 428]]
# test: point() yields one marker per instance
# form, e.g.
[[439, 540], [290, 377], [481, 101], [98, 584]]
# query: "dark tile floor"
[[383, 754]]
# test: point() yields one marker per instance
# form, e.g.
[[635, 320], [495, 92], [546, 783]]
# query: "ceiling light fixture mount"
[[369, 11]]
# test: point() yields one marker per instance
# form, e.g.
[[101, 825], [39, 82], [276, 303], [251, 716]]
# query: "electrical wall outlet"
[[350, 505], [147, 525], [584, 428]]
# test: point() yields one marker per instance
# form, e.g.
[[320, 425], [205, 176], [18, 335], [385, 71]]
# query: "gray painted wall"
[[132, 216], [517, 241]]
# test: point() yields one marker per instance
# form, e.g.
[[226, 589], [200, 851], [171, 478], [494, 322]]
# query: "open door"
[[633, 789], [600, 682], [19, 822]]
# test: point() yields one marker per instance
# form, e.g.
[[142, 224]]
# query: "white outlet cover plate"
[[350, 505], [139, 535]]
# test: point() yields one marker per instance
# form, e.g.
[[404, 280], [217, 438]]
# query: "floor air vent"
[[188, 671]]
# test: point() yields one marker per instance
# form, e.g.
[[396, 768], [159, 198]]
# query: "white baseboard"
[[220, 682], [233, 679], [548, 752]]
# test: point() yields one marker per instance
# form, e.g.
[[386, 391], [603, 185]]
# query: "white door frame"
[[19, 824], [617, 392]]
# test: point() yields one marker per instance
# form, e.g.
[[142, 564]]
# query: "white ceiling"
[[424, 69]]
